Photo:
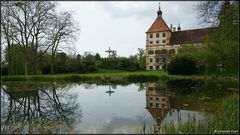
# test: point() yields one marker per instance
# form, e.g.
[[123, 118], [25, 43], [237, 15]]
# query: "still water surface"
[[27, 107]]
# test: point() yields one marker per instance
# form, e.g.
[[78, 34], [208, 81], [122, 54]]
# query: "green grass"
[[225, 118], [110, 75]]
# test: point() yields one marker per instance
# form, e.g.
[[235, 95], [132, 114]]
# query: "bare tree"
[[63, 32], [30, 21], [7, 33], [209, 12]]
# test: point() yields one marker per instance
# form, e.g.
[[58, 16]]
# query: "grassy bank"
[[110, 76], [224, 120]]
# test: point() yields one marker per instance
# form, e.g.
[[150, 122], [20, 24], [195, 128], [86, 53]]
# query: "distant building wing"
[[189, 36]]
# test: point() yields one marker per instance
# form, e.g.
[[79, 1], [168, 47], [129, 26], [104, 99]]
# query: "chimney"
[[174, 29], [171, 27]]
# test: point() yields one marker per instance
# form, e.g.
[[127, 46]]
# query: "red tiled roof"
[[158, 25], [157, 113], [189, 36]]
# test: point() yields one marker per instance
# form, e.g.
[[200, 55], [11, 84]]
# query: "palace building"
[[162, 42]]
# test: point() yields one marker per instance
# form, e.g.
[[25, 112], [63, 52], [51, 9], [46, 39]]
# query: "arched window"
[[157, 52], [163, 51], [150, 52]]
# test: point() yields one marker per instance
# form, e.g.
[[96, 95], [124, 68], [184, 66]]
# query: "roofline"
[[161, 30], [195, 29], [157, 31]]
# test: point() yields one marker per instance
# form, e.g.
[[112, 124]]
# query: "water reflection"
[[109, 89], [158, 102], [30, 107], [178, 100], [27, 108]]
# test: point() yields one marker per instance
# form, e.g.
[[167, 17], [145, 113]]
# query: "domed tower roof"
[[159, 12], [159, 24]]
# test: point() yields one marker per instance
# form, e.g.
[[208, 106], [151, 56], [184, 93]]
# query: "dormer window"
[[151, 35]]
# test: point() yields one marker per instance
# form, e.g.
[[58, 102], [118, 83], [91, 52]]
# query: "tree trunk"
[[10, 60]]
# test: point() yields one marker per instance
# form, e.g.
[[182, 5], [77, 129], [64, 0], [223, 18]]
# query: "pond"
[[61, 107]]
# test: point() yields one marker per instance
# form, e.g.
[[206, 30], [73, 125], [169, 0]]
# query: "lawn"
[[102, 74], [106, 75]]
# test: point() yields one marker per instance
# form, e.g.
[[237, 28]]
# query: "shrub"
[[92, 68], [46, 69], [182, 65]]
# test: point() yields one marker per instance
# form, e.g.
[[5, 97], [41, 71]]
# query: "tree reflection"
[[38, 109]]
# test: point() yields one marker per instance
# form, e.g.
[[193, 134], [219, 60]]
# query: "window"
[[157, 98], [164, 60], [163, 41], [164, 34], [157, 67], [157, 52], [157, 42], [151, 42], [150, 88], [163, 99], [151, 67], [151, 35], [157, 60], [163, 105], [157, 35], [151, 104], [157, 104], [151, 98], [151, 52], [151, 59]]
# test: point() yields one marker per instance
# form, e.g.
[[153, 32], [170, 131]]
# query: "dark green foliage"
[[92, 68], [4, 70], [97, 57], [182, 65], [122, 63], [86, 63], [183, 87], [46, 69], [141, 78], [109, 63]]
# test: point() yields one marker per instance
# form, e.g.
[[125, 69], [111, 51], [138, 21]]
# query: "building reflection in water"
[[158, 103]]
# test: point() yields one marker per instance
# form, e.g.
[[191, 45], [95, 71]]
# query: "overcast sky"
[[122, 25]]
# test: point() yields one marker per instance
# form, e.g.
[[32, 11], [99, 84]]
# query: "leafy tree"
[[97, 57], [182, 65], [142, 58], [224, 41]]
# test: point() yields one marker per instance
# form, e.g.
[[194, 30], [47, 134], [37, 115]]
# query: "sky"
[[121, 25]]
